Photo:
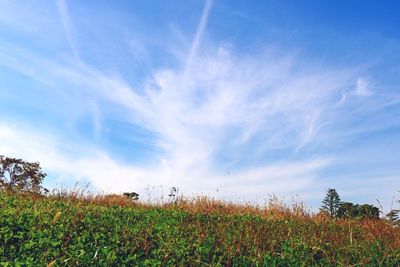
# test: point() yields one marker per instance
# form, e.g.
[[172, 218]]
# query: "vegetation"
[[132, 195], [334, 208], [394, 217], [16, 174], [350, 210], [331, 203], [77, 229], [68, 230]]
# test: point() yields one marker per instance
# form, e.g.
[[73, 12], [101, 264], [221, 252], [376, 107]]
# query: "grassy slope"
[[111, 232]]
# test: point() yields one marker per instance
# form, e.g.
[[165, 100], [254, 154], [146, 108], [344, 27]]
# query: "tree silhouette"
[[331, 203], [352, 211], [346, 210], [172, 192], [16, 174], [369, 211], [394, 216], [132, 195]]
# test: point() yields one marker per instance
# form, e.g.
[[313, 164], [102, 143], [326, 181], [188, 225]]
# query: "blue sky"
[[232, 99]]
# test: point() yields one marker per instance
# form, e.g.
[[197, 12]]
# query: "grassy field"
[[113, 231]]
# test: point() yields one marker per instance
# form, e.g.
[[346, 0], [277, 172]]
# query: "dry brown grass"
[[273, 209]]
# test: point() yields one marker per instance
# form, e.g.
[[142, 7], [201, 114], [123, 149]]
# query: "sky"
[[235, 100]]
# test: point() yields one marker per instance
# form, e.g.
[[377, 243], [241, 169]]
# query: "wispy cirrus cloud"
[[197, 39], [96, 166], [222, 109], [245, 123]]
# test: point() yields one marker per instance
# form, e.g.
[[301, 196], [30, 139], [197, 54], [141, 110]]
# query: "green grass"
[[90, 233]]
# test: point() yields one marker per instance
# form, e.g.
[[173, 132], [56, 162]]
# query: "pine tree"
[[331, 203], [394, 216]]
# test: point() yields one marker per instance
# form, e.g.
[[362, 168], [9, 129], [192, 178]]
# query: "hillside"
[[113, 231]]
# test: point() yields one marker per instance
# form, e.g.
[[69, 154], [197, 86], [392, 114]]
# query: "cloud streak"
[[197, 39], [67, 26]]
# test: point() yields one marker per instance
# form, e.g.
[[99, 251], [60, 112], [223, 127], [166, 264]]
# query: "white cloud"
[[217, 109], [108, 175], [227, 103]]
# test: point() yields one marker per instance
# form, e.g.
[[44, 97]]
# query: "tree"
[[394, 216], [346, 210], [331, 203], [172, 192], [368, 211], [352, 211], [16, 174], [132, 195]]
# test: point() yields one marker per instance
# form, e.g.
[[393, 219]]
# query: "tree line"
[[333, 207]]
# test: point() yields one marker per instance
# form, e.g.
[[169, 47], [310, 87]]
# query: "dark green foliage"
[[331, 203], [394, 216], [132, 195], [346, 210], [37, 231], [352, 211], [16, 174], [368, 211]]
